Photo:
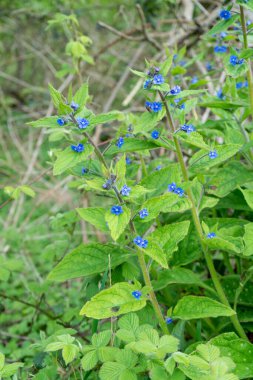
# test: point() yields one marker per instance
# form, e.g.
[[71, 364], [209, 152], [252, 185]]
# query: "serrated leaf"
[[104, 118], [118, 223], [67, 159], [82, 95], [132, 145], [248, 195], [193, 307], [101, 339], [88, 259], [177, 276], [193, 138], [118, 297], [95, 216], [69, 353], [89, 360], [10, 369], [45, 122], [156, 253]]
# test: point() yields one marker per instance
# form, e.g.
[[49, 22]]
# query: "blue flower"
[[179, 191], [158, 79], [211, 235], [125, 191], [60, 121], [147, 84], [85, 170], [159, 167], [187, 128], [142, 243], [156, 106], [194, 80], [136, 294], [148, 105], [225, 14], [82, 122], [119, 142], [220, 94], [128, 160], [245, 84], [172, 187], [143, 213], [78, 148], [168, 320], [116, 210], [239, 85], [182, 63], [223, 34], [220, 49], [213, 154], [179, 106], [209, 66], [155, 134], [74, 105], [234, 60], [175, 90]]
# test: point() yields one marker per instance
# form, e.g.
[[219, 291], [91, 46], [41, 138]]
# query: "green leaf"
[[49, 122], [55, 346], [114, 301], [101, 339], [27, 190], [193, 138], [170, 235], [88, 259], [118, 223], [235, 71], [248, 195], [138, 73], [177, 276], [248, 240], [166, 65], [226, 105], [95, 216], [201, 161], [67, 159], [82, 95], [169, 202], [239, 350], [222, 25], [89, 360], [186, 93], [104, 118], [116, 371], [132, 145], [69, 352], [193, 307], [2, 360], [147, 121], [56, 96], [156, 253], [246, 53], [10, 369]]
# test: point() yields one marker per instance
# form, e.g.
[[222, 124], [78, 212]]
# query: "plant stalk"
[[197, 223]]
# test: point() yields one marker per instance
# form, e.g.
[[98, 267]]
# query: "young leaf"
[[118, 223], [67, 159], [95, 216]]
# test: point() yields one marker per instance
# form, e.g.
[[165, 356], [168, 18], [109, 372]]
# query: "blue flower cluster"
[[174, 189], [78, 148], [213, 154], [125, 191], [119, 142], [187, 128], [82, 122], [142, 243], [211, 235], [155, 134], [241, 84], [220, 49], [143, 213], [117, 210], [136, 294], [154, 106], [234, 60]]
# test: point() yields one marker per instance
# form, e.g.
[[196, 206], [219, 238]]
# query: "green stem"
[[197, 223], [140, 256]]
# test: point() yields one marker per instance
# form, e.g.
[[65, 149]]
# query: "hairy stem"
[[141, 259], [197, 223]]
